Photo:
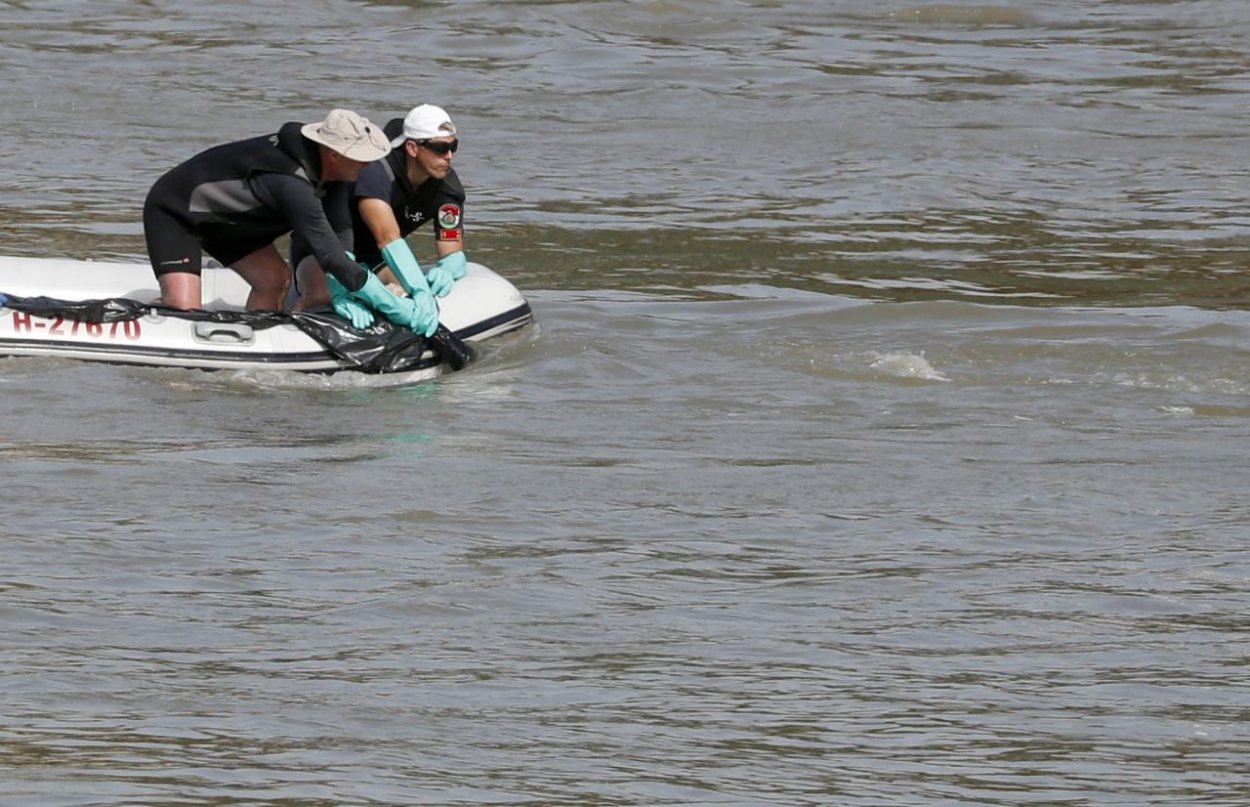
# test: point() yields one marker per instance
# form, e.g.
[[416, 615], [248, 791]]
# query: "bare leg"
[[180, 290], [314, 292], [268, 275], [175, 253]]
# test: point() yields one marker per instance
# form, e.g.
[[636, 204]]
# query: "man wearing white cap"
[[394, 196], [232, 201]]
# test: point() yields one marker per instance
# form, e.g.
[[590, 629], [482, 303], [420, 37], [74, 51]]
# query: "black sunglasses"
[[440, 148]]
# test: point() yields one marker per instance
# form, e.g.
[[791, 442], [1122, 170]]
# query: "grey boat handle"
[[233, 332]]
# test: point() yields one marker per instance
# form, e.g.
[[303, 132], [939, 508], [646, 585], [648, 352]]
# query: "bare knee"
[[268, 275], [180, 290], [311, 300], [269, 295], [314, 291]]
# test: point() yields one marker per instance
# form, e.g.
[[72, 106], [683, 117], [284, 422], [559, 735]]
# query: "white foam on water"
[[907, 365]]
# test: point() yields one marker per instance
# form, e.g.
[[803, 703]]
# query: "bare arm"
[[380, 220], [448, 246]]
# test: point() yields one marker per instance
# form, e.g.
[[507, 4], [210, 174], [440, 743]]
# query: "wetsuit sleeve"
[[336, 204], [297, 201]]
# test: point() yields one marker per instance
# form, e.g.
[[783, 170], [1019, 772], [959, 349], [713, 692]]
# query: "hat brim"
[[366, 151], [309, 130]]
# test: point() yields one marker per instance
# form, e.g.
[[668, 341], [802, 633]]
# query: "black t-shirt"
[[440, 200]]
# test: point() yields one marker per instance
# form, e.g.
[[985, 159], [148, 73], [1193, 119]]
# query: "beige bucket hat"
[[349, 134]]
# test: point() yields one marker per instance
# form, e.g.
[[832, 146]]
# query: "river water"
[[882, 439]]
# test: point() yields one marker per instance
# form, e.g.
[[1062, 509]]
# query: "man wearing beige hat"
[[233, 201], [391, 198]]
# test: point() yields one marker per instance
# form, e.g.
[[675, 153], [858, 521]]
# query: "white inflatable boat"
[[101, 311]]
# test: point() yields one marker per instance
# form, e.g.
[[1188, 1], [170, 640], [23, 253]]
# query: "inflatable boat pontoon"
[[102, 311]]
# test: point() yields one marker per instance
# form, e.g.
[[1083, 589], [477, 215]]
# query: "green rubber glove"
[[457, 262], [418, 313], [346, 307], [398, 255], [448, 270]]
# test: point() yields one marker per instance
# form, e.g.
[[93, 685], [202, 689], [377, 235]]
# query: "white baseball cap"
[[350, 135], [425, 122]]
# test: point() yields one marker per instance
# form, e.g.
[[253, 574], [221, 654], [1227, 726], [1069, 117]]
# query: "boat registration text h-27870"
[[62, 326]]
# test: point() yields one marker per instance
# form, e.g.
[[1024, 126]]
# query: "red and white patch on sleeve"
[[449, 222], [449, 217]]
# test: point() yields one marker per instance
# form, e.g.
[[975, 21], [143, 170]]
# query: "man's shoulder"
[[373, 180]]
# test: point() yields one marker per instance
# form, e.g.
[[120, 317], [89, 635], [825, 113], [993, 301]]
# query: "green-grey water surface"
[[882, 439]]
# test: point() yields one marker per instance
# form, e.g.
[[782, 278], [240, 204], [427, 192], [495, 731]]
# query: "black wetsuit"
[[234, 199], [441, 200]]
